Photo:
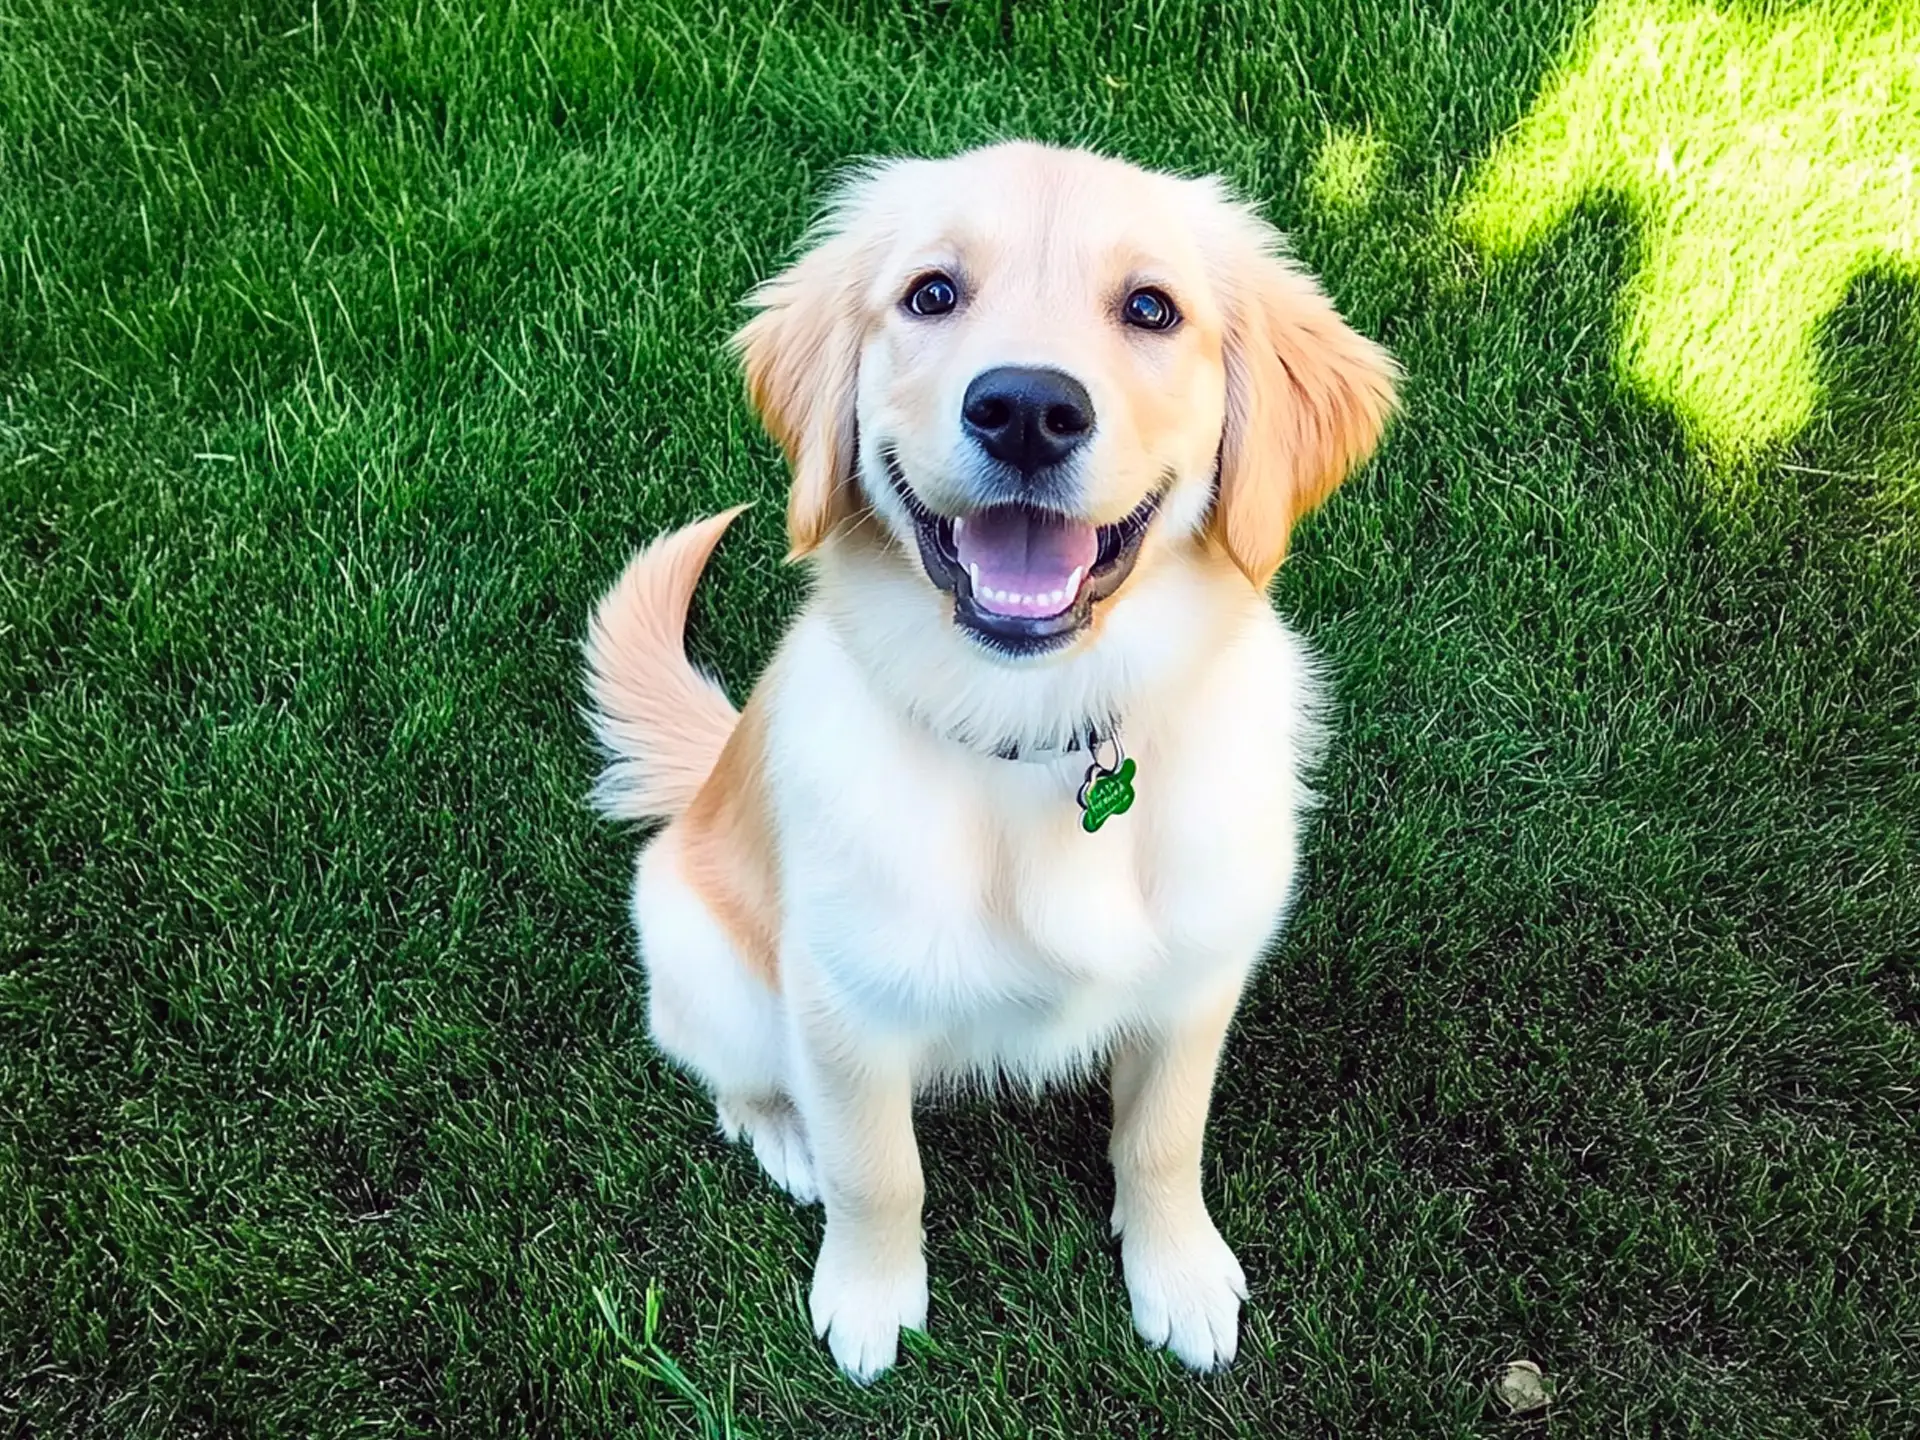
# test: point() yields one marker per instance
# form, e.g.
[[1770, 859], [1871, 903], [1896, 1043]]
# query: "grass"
[[346, 350], [1773, 155], [1344, 175]]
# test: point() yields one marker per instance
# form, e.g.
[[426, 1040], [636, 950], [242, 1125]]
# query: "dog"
[[1020, 793]]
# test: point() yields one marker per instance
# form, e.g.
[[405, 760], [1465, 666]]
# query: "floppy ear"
[[1307, 399], [802, 358]]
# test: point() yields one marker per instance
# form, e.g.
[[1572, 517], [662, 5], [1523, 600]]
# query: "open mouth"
[[1024, 579]]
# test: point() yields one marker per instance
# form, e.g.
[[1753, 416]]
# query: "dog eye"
[[934, 294], [1150, 309]]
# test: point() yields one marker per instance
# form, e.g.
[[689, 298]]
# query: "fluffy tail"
[[661, 720]]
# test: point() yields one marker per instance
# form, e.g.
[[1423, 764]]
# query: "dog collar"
[[1083, 739], [1107, 788]]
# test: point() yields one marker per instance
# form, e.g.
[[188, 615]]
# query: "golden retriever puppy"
[[1019, 793]]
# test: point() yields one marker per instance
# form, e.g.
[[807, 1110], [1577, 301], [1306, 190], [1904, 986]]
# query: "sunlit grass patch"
[[1771, 158], [1346, 169]]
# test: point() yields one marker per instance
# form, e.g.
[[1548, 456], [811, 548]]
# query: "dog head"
[[1035, 366]]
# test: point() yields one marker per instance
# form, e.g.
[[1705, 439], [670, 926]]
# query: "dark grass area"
[[346, 350]]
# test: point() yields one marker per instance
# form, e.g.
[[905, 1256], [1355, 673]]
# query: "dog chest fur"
[[962, 907]]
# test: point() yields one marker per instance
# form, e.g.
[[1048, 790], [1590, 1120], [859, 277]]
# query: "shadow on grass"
[[1865, 441], [1621, 854]]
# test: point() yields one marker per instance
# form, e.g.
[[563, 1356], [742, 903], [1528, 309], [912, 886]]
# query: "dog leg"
[[871, 1277], [715, 1017], [771, 1125], [1185, 1284]]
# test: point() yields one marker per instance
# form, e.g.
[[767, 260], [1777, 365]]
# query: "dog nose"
[[1027, 417]]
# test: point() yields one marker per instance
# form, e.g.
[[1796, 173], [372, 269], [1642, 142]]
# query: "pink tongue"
[[1023, 562]]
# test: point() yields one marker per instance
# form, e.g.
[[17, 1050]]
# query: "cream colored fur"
[[849, 907], [663, 722]]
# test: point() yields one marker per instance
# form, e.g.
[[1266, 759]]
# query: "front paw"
[[1186, 1290], [860, 1303]]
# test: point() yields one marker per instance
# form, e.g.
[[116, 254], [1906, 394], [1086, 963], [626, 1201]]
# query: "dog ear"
[[1307, 400], [801, 353]]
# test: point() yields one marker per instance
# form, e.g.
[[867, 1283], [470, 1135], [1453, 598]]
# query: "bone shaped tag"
[[1104, 794]]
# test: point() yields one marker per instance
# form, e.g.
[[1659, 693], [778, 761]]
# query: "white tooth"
[[1026, 599], [1056, 598], [959, 524], [973, 574], [1073, 582], [993, 594]]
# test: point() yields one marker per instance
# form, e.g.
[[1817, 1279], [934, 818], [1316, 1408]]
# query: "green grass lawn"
[[346, 349]]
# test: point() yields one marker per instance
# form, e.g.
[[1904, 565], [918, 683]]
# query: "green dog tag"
[[1107, 793]]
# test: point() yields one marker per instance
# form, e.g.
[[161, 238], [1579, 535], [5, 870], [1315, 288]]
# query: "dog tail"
[[662, 722]]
